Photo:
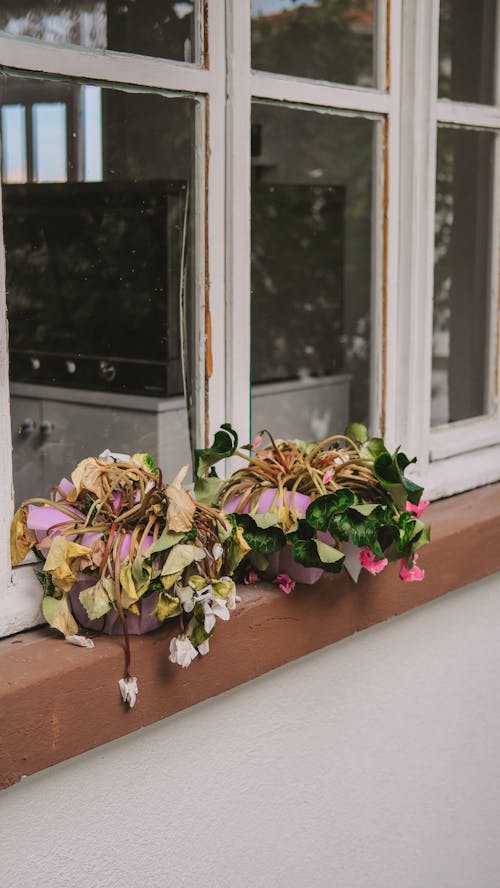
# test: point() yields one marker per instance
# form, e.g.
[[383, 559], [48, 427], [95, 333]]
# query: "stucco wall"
[[372, 764]]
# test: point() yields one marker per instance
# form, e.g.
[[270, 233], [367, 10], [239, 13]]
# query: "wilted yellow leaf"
[[168, 606], [22, 539], [97, 599], [59, 561], [181, 507], [57, 613], [181, 556], [131, 589]]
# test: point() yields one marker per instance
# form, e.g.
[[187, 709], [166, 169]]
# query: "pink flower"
[[417, 510], [250, 578], [257, 441], [285, 583], [370, 563], [411, 574], [328, 476]]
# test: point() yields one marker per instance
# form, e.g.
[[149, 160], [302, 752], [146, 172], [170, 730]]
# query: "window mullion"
[[212, 344], [384, 348], [238, 216], [417, 200]]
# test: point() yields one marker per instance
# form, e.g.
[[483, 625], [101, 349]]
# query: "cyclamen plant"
[[124, 552], [312, 501]]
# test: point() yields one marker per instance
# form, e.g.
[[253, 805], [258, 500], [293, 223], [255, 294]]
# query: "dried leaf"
[[59, 561], [97, 599], [88, 475], [181, 556], [22, 539], [132, 587], [181, 507], [57, 613]]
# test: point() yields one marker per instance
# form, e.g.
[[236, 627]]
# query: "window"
[[209, 215]]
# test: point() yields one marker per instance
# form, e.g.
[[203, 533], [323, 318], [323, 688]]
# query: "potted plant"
[[303, 505], [123, 552]]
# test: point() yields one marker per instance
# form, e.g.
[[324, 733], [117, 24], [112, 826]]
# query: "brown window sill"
[[57, 700]]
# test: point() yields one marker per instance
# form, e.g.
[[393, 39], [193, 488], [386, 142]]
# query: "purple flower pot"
[[282, 561], [110, 624]]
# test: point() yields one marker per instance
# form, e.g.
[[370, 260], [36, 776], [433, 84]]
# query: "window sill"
[[57, 700]]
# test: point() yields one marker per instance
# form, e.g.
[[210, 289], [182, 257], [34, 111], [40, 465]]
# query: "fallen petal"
[[80, 641]]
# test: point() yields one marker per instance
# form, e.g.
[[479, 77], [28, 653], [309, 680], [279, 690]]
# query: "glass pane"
[[14, 167], [467, 33], [462, 275], [49, 142], [311, 270], [160, 28], [94, 283], [321, 39]]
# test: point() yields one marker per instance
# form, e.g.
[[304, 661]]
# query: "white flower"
[[209, 621], [182, 651], [204, 647], [219, 608], [80, 641], [107, 457], [129, 689]]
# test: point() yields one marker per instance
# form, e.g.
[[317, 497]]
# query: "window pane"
[[160, 28], [93, 268], [49, 142], [467, 33], [319, 39], [462, 276], [14, 167], [311, 270]]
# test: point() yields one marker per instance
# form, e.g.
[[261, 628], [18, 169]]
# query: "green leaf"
[[314, 553], [304, 531], [47, 584], [265, 519], [320, 511], [356, 431], [365, 508], [224, 444], [265, 540], [207, 490], [166, 540], [376, 446], [389, 471]]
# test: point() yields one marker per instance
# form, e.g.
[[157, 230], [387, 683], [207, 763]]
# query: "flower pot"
[[282, 561], [110, 624]]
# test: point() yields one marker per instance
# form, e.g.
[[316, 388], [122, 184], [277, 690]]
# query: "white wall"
[[372, 764]]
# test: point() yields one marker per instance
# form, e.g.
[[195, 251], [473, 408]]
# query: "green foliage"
[[265, 540], [356, 431], [315, 553], [224, 444]]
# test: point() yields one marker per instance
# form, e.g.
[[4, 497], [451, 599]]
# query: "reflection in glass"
[[320, 39], [462, 274], [49, 142], [93, 270], [311, 274], [160, 28], [14, 169], [467, 39]]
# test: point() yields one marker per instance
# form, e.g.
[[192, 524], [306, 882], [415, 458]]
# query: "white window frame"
[[463, 454], [405, 99]]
